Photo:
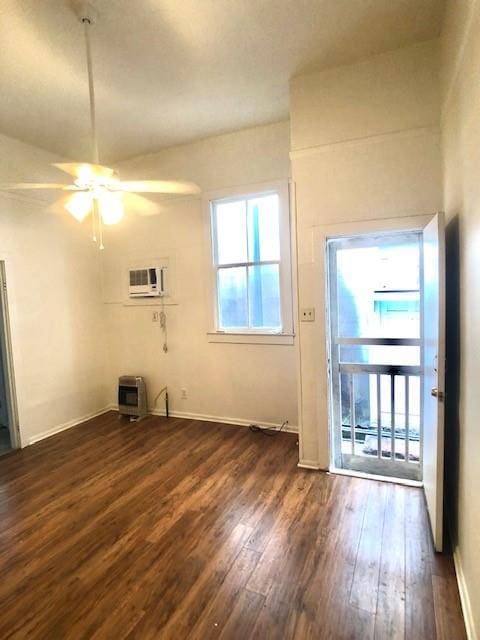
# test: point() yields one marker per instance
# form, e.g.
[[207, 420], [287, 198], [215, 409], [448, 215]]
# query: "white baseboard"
[[240, 422], [221, 419], [464, 597], [310, 464], [67, 425]]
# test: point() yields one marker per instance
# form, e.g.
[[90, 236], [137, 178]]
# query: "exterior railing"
[[382, 402]]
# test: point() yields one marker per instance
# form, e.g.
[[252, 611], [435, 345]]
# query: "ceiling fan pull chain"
[[91, 87], [100, 228], [94, 211]]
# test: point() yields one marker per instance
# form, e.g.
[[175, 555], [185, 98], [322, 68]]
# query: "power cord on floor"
[[265, 431], [154, 406]]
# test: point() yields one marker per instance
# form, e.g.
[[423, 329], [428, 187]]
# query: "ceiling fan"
[[97, 189]]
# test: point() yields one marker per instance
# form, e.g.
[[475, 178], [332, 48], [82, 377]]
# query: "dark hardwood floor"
[[181, 529]]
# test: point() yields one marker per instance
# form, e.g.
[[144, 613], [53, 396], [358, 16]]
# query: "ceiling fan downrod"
[[88, 15]]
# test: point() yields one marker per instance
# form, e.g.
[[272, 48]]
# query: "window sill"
[[251, 338]]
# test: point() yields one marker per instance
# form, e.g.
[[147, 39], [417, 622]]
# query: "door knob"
[[437, 394]]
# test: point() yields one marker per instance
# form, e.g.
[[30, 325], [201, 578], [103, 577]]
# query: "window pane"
[[231, 232], [232, 297], [264, 296], [378, 290], [263, 228]]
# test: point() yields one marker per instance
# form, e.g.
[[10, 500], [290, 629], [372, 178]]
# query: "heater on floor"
[[132, 397]]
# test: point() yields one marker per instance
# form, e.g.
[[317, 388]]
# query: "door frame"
[[314, 433], [7, 364], [387, 468]]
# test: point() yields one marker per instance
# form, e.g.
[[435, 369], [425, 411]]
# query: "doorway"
[[375, 307], [8, 424]]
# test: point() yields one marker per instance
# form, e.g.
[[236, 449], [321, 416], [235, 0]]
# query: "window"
[[251, 258]]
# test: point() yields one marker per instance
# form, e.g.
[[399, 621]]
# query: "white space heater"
[[132, 397]]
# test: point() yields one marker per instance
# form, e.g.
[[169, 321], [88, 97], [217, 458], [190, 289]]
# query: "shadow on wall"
[[452, 382]]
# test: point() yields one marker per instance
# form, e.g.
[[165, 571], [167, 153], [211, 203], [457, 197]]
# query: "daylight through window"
[[247, 258]]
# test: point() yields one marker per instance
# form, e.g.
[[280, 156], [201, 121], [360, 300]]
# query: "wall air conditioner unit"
[[147, 283]]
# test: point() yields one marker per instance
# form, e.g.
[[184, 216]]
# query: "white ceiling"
[[170, 71]]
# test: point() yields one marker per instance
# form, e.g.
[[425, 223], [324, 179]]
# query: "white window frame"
[[254, 336]]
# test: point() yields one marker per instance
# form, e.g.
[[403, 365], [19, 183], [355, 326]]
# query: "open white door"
[[434, 372]]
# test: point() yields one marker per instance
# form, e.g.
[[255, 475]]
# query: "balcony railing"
[[380, 403]]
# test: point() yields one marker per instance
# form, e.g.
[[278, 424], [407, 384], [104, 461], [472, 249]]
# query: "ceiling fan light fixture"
[[97, 189], [79, 205], [110, 206]]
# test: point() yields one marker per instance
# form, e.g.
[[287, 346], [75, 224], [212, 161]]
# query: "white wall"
[[365, 146], [461, 166], [53, 279], [229, 381]]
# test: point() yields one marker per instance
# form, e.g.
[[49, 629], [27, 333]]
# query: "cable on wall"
[[157, 397], [163, 326], [266, 431]]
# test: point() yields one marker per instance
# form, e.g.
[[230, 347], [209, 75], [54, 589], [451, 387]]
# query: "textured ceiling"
[[170, 71]]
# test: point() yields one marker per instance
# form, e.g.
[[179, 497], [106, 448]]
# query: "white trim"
[[320, 234], [239, 422], [241, 190], [372, 476], [354, 142], [281, 188], [251, 338], [67, 425], [310, 464], [292, 194], [464, 597], [372, 226], [202, 417], [160, 302]]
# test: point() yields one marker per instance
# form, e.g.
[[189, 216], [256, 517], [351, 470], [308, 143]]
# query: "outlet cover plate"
[[307, 315]]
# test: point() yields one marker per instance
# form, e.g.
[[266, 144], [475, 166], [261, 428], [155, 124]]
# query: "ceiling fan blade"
[[140, 206], [159, 186], [11, 186], [85, 170]]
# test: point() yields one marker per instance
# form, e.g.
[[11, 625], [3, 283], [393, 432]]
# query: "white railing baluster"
[[398, 428], [392, 417], [352, 411], [407, 419], [379, 418]]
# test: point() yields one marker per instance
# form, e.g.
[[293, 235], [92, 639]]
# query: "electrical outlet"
[[183, 393], [155, 316], [307, 315]]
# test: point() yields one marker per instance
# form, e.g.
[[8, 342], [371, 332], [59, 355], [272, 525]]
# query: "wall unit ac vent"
[[147, 283]]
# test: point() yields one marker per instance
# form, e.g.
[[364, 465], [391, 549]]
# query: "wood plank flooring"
[[182, 529]]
